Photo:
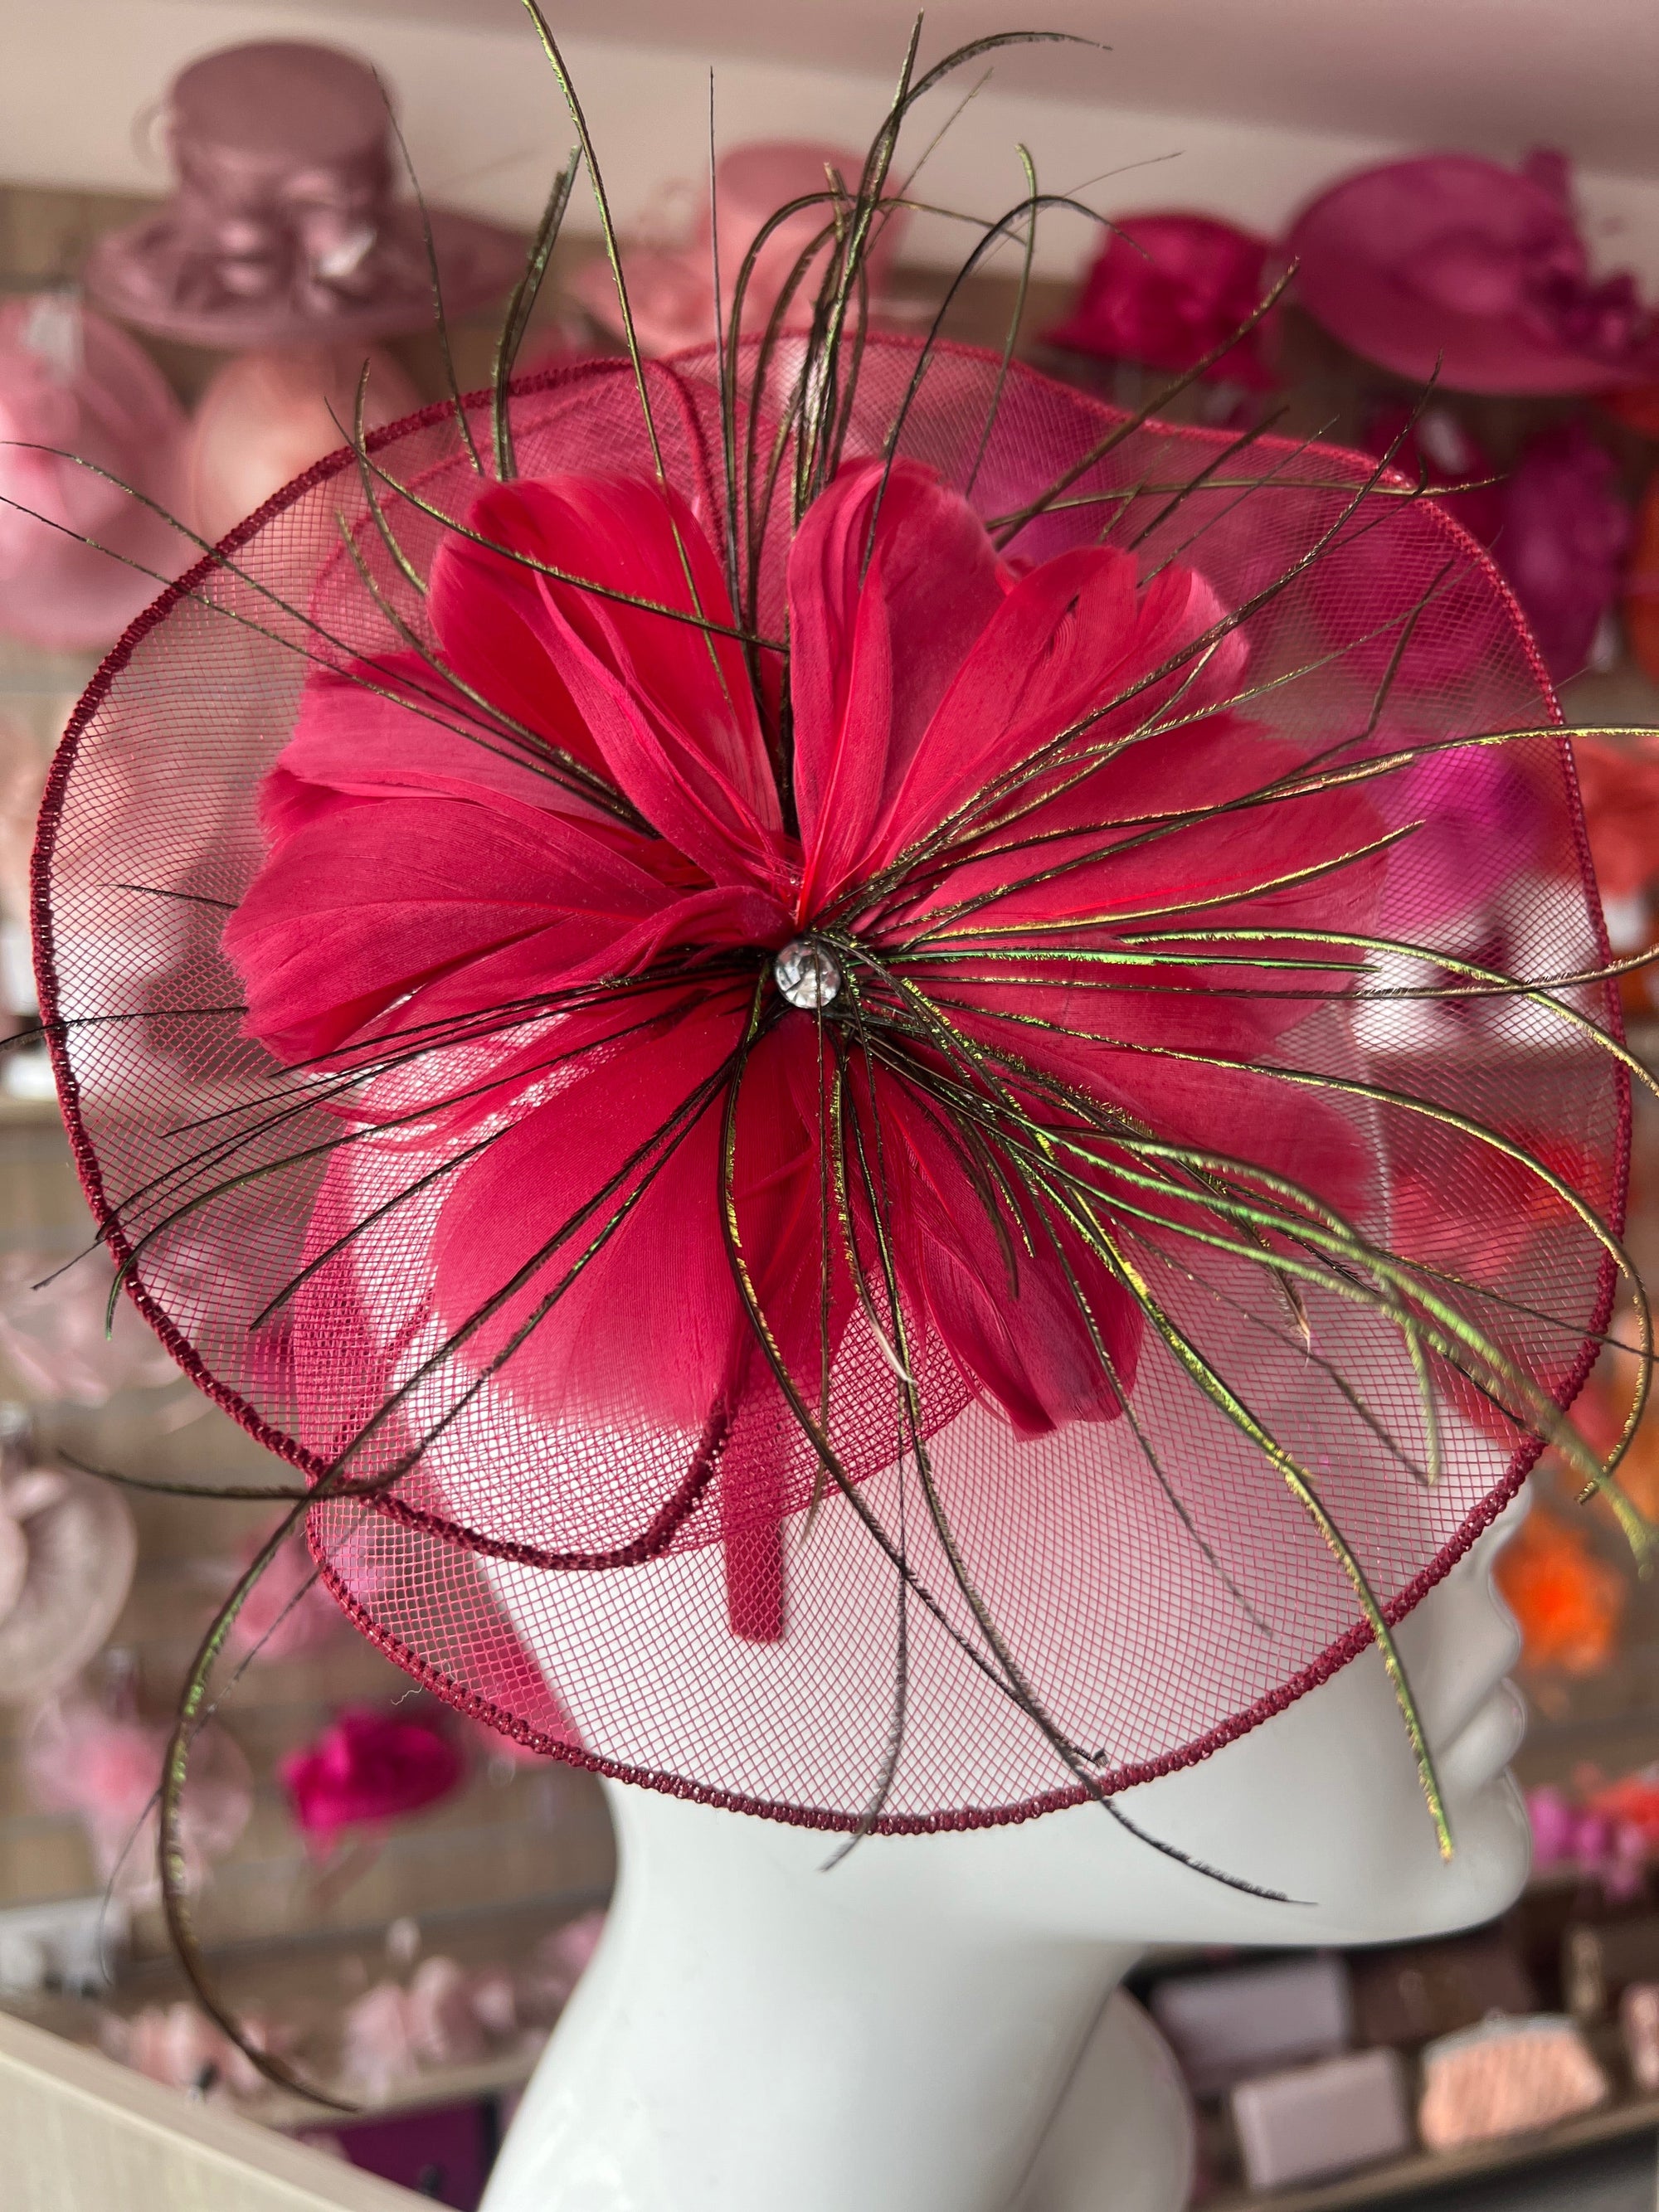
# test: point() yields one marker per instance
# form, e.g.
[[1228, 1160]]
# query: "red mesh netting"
[[563, 1542]]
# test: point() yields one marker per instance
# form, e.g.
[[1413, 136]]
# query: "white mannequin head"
[[929, 2025], [1320, 1802]]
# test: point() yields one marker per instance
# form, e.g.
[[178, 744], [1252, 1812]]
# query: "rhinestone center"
[[808, 974]]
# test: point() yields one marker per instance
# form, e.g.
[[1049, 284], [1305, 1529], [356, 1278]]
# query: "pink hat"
[[1455, 259], [283, 226], [1166, 289], [671, 291], [74, 384]]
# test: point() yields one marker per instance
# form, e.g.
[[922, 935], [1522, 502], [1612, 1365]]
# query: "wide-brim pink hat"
[[1454, 264], [83, 412], [283, 228]]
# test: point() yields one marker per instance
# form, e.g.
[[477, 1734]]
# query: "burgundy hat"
[[71, 385], [283, 226], [1167, 289], [1454, 260]]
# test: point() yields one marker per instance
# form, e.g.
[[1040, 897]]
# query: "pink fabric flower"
[[413, 878], [367, 1767]]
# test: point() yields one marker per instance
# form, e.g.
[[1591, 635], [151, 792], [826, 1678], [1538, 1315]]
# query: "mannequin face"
[[1322, 1802]]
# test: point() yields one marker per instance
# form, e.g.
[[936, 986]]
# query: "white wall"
[[486, 124]]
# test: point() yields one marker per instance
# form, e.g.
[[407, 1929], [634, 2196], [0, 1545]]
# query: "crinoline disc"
[[565, 1566]]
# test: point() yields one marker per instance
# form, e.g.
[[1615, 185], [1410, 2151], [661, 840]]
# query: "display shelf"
[[1406, 2177], [437, 2085]]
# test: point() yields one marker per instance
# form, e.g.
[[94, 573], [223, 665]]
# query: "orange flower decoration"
[[1569, 1602]]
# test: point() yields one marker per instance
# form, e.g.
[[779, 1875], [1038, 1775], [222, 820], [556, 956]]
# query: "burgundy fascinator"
[[283, 229], [1449, 260], [84, 412], [366, 1768], [794, 1013], [1168, 291]]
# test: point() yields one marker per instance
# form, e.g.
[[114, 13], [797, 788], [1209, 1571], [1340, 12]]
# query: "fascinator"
[[83, 413], [671, 289], [60, 1337], [103, 1766], [1556, 523], [283, 228], [1168, 291], [1431, 445], [788, 1082], [367, 1767], [1451, 260]]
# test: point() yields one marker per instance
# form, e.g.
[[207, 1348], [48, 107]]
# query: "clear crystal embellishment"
[[808, 974]]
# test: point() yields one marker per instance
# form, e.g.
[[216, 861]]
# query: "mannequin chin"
[[919, 2027]]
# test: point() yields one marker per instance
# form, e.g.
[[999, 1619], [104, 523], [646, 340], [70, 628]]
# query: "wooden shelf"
[[1404, 2177]]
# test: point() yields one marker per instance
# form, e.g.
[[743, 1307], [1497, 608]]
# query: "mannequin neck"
[[759, 2029]]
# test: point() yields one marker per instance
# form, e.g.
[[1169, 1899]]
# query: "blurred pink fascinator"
[[671, 289], [366, 1768], [1555, 522], [74, 390], [1452, 260], [452, 2016], [283, 226], [1167, 290], [179, 2044], [105, 1767], [1431, 445], [267, 416]]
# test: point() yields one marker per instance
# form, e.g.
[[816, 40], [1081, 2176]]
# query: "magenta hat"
[[1165, 289], [671, 291], [283, 228], [71, 384], [1454, 259]]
